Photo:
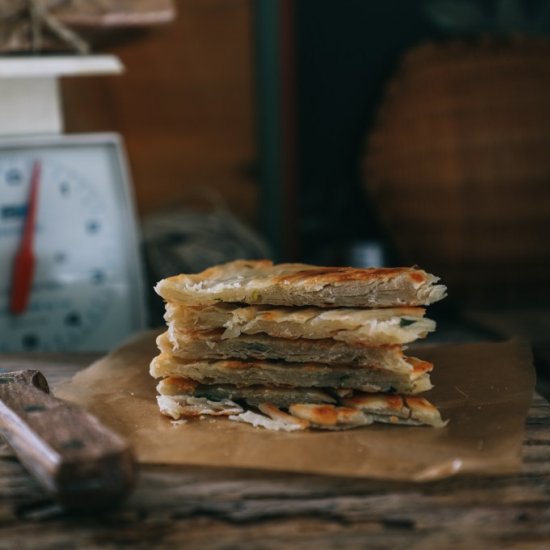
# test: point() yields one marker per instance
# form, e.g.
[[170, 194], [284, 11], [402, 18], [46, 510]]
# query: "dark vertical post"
[[275, 70]]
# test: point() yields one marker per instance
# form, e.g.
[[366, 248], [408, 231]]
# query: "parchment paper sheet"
[[484, 389]]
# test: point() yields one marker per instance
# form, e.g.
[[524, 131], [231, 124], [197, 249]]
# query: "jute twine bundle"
[[32, 24]]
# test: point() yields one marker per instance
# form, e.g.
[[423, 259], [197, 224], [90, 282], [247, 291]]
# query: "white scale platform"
[[30, 100]]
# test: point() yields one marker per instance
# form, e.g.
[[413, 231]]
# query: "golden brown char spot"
[[394, 401], [277, 414], [346, 414], [183, 385], [238, 364], [339, 274], [391, 401], [412, 311], [268, 315], [417, 276], [325, 414], [420, 403], [419, 365]]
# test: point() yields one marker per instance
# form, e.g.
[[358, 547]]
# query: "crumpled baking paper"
[[484, 389]]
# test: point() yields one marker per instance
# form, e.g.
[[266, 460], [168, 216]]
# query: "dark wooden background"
[[185, 107]]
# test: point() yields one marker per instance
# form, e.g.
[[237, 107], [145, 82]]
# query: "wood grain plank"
[[227, 509]]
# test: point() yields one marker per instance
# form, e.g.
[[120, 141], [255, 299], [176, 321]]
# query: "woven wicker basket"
[[459, 166]]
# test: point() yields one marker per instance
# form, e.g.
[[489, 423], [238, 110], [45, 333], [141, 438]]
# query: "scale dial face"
[[86, 291]]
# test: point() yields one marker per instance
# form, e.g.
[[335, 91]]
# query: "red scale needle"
[[23, 265]]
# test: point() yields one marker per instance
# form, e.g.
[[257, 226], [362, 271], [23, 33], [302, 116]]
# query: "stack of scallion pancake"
[[294, 346]]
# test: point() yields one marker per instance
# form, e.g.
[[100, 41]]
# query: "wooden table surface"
[[204, 508]]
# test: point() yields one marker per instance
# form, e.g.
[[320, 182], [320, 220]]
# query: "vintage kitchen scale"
[[70, 271]]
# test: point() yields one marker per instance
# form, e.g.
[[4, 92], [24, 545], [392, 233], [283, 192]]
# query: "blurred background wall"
[[438, 154], [185, 107], [188, 110]]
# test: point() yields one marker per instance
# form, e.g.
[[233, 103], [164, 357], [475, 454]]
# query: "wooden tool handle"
[[73, 456]]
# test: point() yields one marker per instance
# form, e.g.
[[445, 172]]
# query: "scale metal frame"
[[32, 117]]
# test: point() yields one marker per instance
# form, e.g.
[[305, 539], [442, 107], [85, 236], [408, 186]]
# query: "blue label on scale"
[[13, 211]]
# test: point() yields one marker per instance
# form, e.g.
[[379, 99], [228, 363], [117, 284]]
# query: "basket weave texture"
[[458, 165]]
